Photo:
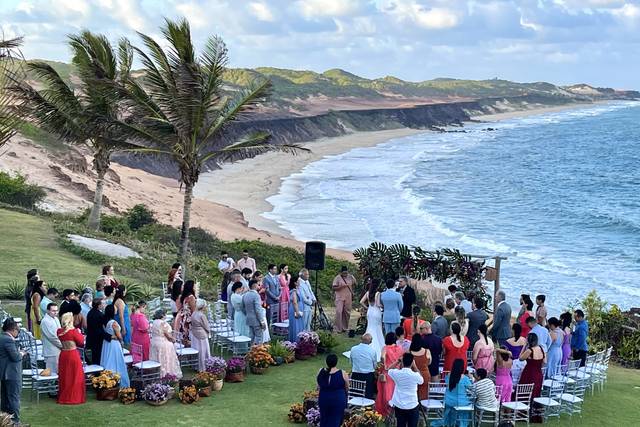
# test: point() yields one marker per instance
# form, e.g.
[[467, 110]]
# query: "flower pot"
[[257, 370], [204, 391], [217, 385], [171, 394], [290, 359], [302, 356], [278, 360], [107, 393], [159, 403], [234, 377]]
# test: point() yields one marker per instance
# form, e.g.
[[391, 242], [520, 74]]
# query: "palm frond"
[[254, 145]]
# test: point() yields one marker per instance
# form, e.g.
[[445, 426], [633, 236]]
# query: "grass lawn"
[[265, 400], [29, 242]]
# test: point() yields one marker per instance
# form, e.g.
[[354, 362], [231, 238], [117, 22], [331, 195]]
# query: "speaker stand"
[[320, 321]]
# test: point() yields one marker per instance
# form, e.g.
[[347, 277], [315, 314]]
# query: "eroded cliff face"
[[335, 123]]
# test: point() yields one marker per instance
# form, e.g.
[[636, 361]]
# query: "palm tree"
[[181, 111], [86, 114], [9, 118]]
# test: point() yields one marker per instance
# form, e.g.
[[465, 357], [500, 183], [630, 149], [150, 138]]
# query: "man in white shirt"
[[51, 344], [226, 262], [405, 394], [308, 298], [246, 262], [363, 364]]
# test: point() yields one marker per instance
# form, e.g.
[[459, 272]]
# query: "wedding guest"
[[51, 345], [32, 278], [10, 370], [461, 318], [433, 343], [333, 384], [401, 340], [391, 357], [182, 322], [176, 291], [252, 309], [100, 284], [544, 339], [363, 364], [284, 278], [504, 363], [440, 326], [95, 331], [516, 343], [528, 312], [108, 294], [308, 298], [461, 301], [412, 325], [392, 304], [541, 311], [483, 350], [258, 277], [112, 357], [75, 309], [235, 304], [226, 281], [246, 261], [67, 296], [162, 348], [451, 295], [200, 333], [476, 318], [108, 272], [272, 289], [246, 276], [38, 293], [484, 390], [226, 262], [532, 372], [174, 274], [456, 394], [71, 381], [554, 355], [122, 313], [52, 295], [140, 332], [455, 346], [343, 285], [523, 304], [296, 321], [405, 395], [449, 311], [85, 304], [422, 360], [565, 319], [408, 296], [501, 330], [579, 337]]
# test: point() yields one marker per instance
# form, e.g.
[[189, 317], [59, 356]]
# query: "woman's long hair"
[[176, 289], [281, 268], [483, 330], [66, 321], [416, 342], [187, 290], [517, 331], [415, 312], [119, 294], [456, 373], [109, 313], [38, 289], [565, 319], [172, 274], [460, 315], [455, 330], [373, 289]]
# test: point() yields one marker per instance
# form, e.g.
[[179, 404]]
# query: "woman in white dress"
[[371, 301]]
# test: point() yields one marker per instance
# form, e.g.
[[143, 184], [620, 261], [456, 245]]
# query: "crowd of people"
[[400, 353]]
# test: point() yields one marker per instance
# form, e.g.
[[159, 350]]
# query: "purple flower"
[[313, 417], [290, 346], [215, 365], [156, 392], [236, 364]]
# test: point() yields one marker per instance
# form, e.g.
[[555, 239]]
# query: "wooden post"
[[496, 282]]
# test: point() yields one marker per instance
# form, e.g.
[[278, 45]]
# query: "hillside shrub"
[[15, 190], [13, 290], [139, 216]]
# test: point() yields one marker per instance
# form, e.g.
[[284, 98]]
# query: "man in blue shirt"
[[363, 364], [544, 339], [579, 337], [392, 304]]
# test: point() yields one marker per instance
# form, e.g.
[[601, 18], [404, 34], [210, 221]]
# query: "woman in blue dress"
[[112, 357], [122, 314], [296, 321], [457, 393], [240, 326], [332, 398], [554, 355]]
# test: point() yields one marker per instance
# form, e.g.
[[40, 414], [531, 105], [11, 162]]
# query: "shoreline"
[[261, 177]]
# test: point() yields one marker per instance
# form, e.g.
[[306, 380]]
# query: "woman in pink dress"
[[284, 278], [140, 332], [503, 373], [391, 357], [483, 351]]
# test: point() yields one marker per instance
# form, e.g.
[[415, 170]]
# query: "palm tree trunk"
[[96, 209], [186, 221]]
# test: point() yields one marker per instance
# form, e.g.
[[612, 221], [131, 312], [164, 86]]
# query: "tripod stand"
[[320, 321]]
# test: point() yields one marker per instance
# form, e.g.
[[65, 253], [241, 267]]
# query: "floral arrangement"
[[188, 394], [204, 379], [277, 349], [216, 366], [327, 340], [311, 394], [309, 336], [259, 357], [107, 379], [127, 395], [170, 380], [291, 346], [363, 418], [296, 414], [156, 392], [313, 417], [307, 344], [236, 364]]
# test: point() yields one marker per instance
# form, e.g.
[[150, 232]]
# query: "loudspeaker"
[[314, 255]]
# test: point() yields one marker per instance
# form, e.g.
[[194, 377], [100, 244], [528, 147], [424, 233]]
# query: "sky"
[[559, 41]]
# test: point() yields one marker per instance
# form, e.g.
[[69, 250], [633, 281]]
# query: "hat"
[[344, 269]]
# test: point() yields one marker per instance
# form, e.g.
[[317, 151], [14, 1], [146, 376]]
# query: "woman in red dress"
[[71, 385], [532, 372], [391, 356], [528, 312], [455, 346]]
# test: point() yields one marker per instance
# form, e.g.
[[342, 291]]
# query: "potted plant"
[[156, 394], [307, 345], [278, 352], [172, 381], [313, 417], [106, 385], [327, 341], [259, 359], [188, 394], [235, 370], [363, 418], [291, 347], [296, 414], [216, 366], [203, 382], [310, 400], [127, 395]]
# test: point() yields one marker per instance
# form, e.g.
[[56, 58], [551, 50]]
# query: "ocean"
[[556, 193]]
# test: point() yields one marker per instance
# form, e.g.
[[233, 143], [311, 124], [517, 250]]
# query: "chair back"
[[556, 388], [82, 357], [573, 366], [274, 313], [357, 388], [469, 357], [499, 392], [437, 391], [523, 393], [137, 351]]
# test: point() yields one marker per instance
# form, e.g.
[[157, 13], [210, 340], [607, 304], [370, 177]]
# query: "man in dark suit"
[[272, 287], [95, 331], [10, 370], [476, 318], [408, 297], [501, 330]]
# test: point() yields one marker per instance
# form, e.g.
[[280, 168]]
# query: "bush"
[[14, 290], [116, 225], [202, 242], [17, 191], [139, 216], [159, 233]]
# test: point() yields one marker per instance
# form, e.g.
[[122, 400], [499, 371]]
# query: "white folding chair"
[[147, 371], [279, 328], [89, 370], [520, 408], [186, 355], [40, 384], [434, 405], [573, 397], [484, 414], [356, 396], [549, 403]]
